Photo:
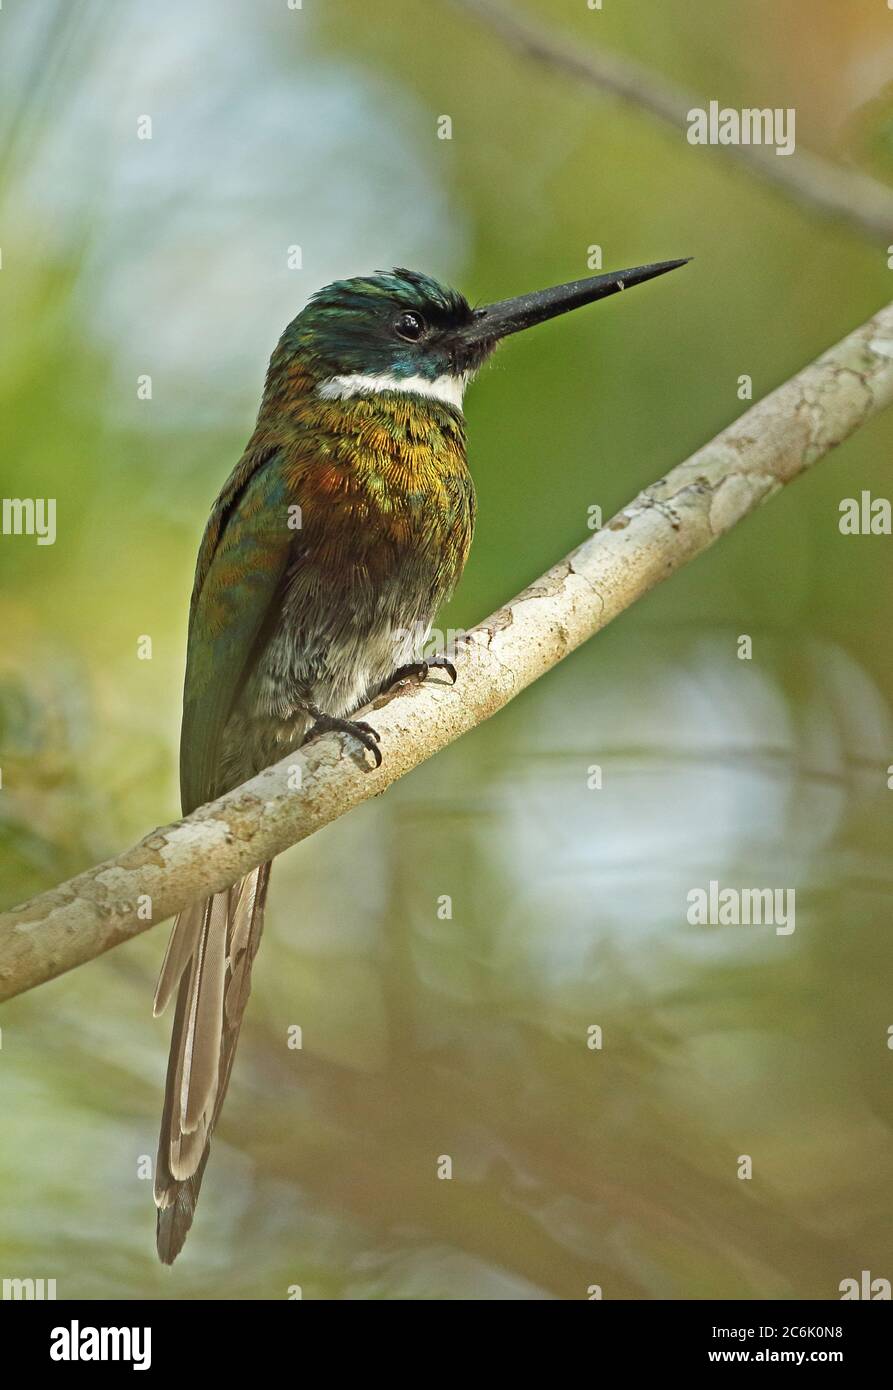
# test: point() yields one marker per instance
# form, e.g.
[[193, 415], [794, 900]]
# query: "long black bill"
[[495, 321]]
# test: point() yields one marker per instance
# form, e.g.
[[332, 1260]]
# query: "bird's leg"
[[419, 670], [330, 723]]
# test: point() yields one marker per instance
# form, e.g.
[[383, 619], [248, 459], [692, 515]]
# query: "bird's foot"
[[418, 670], [358, 728]]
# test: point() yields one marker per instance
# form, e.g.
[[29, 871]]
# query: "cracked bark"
[[667, 525]]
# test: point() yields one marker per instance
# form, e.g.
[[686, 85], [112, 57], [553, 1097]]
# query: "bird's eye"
[[410, 326]]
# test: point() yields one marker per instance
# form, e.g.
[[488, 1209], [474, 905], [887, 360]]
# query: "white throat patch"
[[449, 389]]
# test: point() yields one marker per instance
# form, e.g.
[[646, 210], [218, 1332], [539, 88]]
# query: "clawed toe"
[[413, 670], [419, 670], [358, 728], [442, 663]]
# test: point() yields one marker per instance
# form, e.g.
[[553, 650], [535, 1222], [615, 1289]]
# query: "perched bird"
[[341, 531]]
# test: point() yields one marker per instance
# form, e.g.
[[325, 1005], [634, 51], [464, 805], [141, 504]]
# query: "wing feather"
[[241, 567]]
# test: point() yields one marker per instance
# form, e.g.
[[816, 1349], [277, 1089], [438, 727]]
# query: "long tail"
[[209, 956]]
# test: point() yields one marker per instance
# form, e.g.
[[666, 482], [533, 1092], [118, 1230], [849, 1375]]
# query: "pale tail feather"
[[210, 953], [180, 949]]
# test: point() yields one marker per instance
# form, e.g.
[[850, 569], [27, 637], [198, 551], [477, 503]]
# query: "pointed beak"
[[495, 321]]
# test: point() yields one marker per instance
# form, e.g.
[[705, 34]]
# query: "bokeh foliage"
[[467, 1036]]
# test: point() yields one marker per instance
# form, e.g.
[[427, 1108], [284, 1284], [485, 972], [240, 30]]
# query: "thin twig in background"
[[844, 194], [663, 528]]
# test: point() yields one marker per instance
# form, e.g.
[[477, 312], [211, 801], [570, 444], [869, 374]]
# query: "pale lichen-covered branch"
[[665, 526]]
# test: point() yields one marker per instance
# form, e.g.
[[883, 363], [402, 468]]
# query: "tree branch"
[[663, 528], [846, 195]]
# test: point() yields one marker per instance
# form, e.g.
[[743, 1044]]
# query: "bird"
[[339, 534]]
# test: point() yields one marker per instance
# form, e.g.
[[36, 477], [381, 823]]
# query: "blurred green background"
[[572, 1167]]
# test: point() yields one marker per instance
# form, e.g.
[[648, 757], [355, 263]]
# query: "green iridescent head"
[[402, 324]]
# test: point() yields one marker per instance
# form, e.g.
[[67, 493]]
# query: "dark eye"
[[410, 325]]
